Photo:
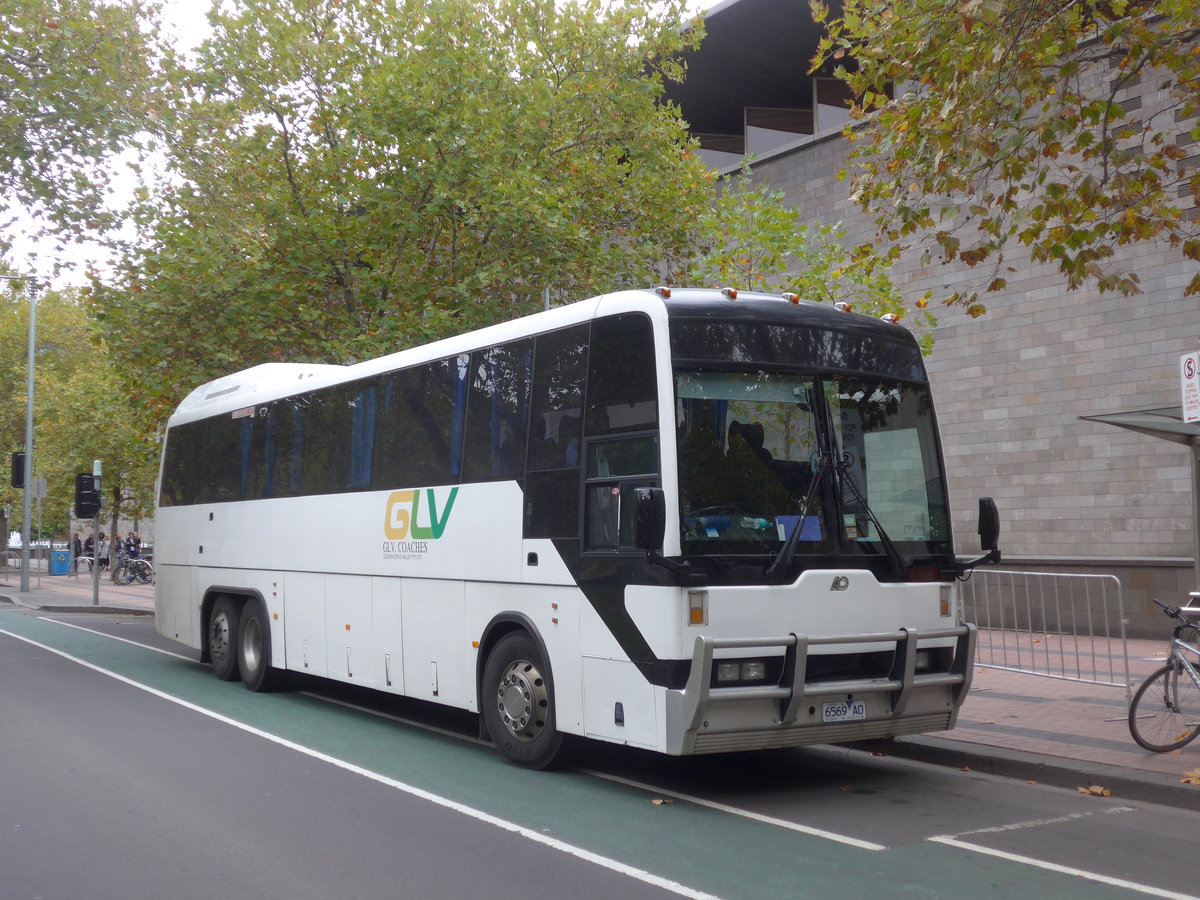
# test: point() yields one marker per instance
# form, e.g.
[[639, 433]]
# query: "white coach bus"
[[691, 521]]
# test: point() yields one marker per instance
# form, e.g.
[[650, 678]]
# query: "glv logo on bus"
[[408, 528]]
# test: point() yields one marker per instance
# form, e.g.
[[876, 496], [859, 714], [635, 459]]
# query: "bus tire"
[[517, 703], [222, 639], [254, 648]]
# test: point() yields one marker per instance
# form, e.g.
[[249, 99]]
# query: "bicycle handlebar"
[[1176, 612]]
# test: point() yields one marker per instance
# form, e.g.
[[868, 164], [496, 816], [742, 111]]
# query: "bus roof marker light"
[[729, 292], [792, 298], [844, 306], [891, 318], [663, 291]]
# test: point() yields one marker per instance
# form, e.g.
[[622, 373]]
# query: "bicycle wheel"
[[143, 572], [122, 574], [1165, 712]]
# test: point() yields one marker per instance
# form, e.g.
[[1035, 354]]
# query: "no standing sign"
[[1189, 382]]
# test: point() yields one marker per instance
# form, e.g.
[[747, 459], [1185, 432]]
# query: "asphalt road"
[[130, 772]]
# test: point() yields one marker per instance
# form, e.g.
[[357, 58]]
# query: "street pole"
[[26, 524], [97, 470]]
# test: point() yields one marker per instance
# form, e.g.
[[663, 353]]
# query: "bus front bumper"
[[702, 718]]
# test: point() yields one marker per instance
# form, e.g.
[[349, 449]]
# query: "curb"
[[1130, 784], [81, 608]]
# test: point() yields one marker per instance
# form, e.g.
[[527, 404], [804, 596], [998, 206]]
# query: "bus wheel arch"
[[516, 693]]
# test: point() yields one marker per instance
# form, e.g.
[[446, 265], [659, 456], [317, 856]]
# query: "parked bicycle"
[[1165, 712], [127, 571]]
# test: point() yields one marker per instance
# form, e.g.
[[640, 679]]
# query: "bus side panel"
[[176, 608], [609, 678], [436, 648], [387, 617], [349, 646], [619, 703], [553, 611], [304, 622]]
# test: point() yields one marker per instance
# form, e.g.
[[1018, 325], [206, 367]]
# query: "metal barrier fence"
[[1051, 624]]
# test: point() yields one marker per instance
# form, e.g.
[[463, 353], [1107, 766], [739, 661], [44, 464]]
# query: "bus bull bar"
[[690, 705]]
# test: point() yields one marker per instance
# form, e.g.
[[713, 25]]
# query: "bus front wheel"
[[222, 639], [254, 648], [517, 702]]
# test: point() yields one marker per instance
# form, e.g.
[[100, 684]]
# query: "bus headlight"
[[741, 670]]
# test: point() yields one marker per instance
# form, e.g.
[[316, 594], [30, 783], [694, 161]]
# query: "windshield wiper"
[[846, 479], [784, 557]]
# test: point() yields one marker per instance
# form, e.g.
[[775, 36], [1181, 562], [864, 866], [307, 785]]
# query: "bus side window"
[[556, 402], [497, 412], [183, 467], [622, 385]]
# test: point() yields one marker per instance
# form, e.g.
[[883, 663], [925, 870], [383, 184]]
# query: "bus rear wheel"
[[517, 703], [254, 648], [222, 639]]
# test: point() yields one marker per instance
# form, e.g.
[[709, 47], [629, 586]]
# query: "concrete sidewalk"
[[68, 592], [1049, 730]]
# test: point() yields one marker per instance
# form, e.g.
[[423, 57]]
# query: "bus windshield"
[[850, 462]]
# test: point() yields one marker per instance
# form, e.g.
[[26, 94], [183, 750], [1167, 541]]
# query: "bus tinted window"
[[420, 423], [226, 459], [339, 430], [183, 464], [497, 412], [757, 342], [560, 361], [621, 381], [278, 427]]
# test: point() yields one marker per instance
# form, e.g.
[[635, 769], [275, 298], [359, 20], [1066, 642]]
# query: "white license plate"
[[844, 711]]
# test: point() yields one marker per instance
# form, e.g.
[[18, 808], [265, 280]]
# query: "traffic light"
[[87, 497], [18, 470]]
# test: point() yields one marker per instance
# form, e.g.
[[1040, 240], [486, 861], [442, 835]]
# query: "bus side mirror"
[[649, 518], [989, 524]]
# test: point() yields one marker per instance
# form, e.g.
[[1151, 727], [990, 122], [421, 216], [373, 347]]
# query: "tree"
[[80, 411], [76, 87], [750, 239], [983, 124], [350, 177]]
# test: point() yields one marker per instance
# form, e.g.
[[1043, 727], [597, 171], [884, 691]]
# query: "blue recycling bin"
[[60, 562]]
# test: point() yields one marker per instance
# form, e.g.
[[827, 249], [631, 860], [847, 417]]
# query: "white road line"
[[1037, 823], [1064, 870], [479, 815], [113, 637], [744, 813]]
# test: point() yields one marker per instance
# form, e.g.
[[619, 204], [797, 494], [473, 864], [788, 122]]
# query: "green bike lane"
[[704, 850]]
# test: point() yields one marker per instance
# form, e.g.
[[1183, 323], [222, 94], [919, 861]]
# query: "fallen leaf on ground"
[[1031, 782], [988, 722], [1192, 777], [658, 801], [1096, 791]]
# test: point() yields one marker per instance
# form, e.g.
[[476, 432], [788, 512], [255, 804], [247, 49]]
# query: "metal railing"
[[1051, 624]]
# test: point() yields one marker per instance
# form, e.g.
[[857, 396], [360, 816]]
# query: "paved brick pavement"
[[1050, 730]]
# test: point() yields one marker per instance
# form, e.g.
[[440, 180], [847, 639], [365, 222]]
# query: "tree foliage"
[[1014, 124], [81, 412], [77, 84], [353, 176], [750, 239]]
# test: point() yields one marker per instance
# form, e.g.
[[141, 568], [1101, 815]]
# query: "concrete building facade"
[[1011, 385]]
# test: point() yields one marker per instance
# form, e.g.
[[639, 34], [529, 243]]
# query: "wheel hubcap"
[[252, 649], [522, 700], [218, 638]]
